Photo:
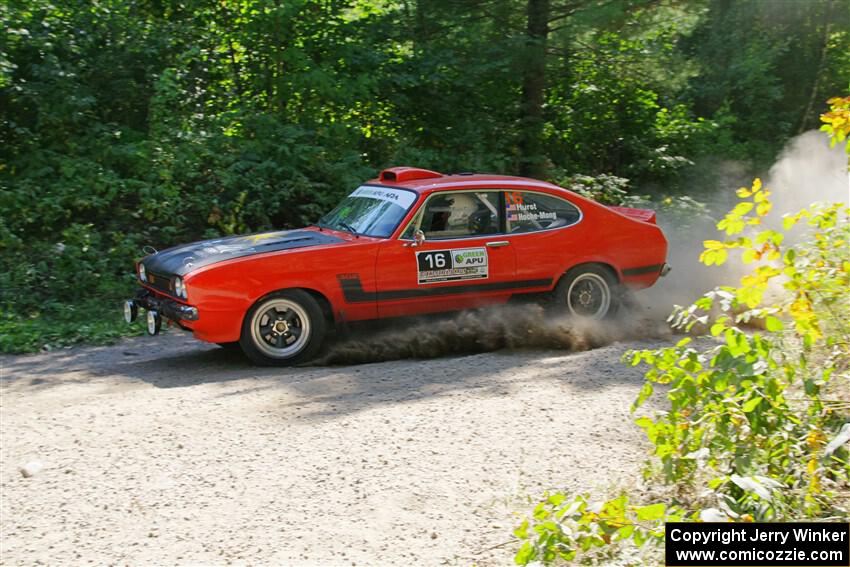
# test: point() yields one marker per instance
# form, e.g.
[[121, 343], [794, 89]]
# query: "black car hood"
[[181, 260]]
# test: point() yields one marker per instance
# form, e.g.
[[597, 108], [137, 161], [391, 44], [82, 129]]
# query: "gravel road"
[[168, 451]]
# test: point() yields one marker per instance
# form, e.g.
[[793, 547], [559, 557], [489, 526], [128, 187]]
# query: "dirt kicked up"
[[167, 451], [513, 326]]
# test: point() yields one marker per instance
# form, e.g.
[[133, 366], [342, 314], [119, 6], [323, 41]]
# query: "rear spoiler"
[[644, 215]]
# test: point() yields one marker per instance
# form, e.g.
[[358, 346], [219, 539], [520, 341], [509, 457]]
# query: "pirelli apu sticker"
[[434, 266]]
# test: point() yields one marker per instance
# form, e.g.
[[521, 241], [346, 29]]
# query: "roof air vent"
[[402, 174]]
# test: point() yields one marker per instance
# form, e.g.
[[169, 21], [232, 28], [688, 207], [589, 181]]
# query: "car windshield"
[[372, 211]]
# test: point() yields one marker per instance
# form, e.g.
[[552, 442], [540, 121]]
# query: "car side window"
[[530, 212], [458, 215]]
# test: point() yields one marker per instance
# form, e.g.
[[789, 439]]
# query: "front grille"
[[161, 282]]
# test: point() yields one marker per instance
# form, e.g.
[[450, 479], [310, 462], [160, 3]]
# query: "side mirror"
[[418, 239]]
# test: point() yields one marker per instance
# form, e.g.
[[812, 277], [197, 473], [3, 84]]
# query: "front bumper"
[[166, 307], [157, 307]]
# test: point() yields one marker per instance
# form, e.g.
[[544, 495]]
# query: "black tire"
[[283, 328], [589, 291]]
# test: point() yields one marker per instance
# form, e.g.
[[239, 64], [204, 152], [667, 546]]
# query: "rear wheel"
[[587, 292], [284, 328]]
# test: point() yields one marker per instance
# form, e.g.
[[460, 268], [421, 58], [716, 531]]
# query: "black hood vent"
[[181, 260]]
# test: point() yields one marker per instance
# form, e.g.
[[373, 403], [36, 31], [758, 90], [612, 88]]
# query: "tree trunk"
[[532, 157], [422, 27], [804, 119]]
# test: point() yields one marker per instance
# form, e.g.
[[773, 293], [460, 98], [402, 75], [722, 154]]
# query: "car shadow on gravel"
[[329, 392], [498, 374], [409, 360], [169, 361]]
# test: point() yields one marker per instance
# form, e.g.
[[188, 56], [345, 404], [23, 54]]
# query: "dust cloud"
[[807, 170], [485, 330]]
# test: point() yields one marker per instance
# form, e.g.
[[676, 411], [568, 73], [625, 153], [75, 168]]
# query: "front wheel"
[[284, 328], [586, 292]]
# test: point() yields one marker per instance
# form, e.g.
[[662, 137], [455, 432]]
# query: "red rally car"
[[410, 242]]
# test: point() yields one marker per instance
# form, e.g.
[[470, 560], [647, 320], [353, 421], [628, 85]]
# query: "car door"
[[465, 261], [542, 230]]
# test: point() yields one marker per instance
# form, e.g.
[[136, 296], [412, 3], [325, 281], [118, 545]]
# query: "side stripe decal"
[[643, 270], [352, 289]]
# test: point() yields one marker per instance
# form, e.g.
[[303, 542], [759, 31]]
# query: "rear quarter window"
[[532, 212]]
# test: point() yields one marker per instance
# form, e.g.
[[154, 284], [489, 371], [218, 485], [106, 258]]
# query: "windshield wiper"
[[337, 225], [347, 227]]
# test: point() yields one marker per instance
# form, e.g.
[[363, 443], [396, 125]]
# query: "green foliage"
[[580, 530], [764, 73], [837, 121], [679, 211], [753, 406], [92, 322], [757, 407], [605, 189], [614, 112]]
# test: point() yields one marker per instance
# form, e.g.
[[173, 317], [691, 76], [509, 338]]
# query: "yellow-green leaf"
[[741, 209], [751, 404], [526, 554], [651, 512], [522, 531], [773, 324]]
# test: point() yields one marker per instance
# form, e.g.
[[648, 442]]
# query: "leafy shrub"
[[758, 408], [589, 531], [621, 117], [91, 322], [605, 189], [679, 211], [837, 121]]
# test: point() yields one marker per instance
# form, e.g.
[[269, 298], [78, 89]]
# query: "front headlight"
[[142, 275], [179, 288]]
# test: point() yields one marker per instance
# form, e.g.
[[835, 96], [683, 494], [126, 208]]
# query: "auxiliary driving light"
[[131, 311], [154, 322], [179, 287]]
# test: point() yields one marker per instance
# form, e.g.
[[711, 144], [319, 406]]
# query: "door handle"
[[498, 243]]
